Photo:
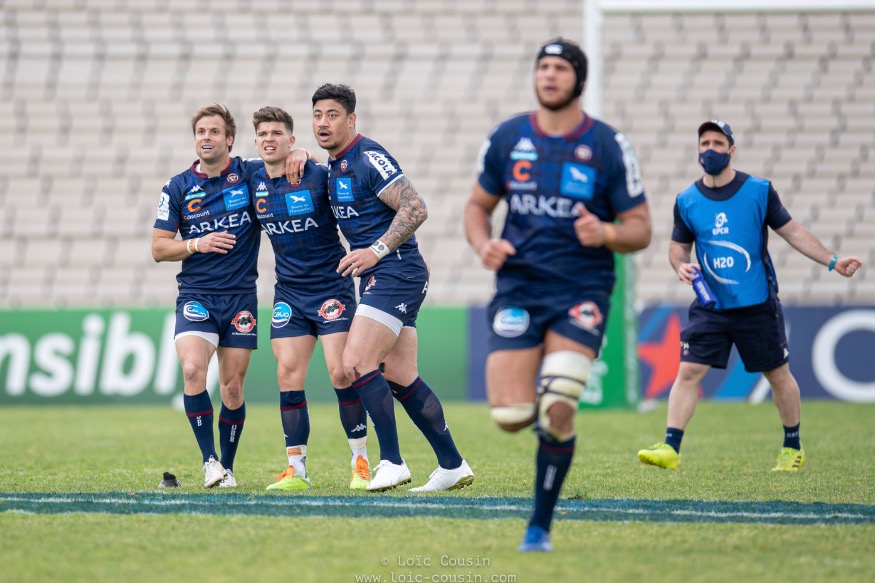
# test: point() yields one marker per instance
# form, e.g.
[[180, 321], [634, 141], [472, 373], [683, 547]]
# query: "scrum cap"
[[571, 52]]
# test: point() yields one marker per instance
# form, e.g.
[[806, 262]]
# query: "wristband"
[[380, 249], [196, 241], [832, 262], [188, 247]]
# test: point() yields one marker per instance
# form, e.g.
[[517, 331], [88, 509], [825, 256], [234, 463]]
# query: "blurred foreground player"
[[566, 178]]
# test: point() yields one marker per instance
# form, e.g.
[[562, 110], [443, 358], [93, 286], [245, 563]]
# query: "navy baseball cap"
[[717, 125]]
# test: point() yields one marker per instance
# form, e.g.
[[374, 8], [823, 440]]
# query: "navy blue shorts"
[[230, 316], [299, 313], [519, 322], [757, 332], [397, 293]]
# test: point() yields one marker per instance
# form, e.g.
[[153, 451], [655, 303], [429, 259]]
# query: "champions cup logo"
[[244, 322], [331, 310]]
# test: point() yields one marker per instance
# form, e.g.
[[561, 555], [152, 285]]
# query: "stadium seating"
[[95, 105]]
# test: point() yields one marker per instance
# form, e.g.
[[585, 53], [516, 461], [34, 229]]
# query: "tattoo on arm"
[[410, 211]]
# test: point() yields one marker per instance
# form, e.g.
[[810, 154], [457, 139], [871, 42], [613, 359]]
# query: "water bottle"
[[703, 292]]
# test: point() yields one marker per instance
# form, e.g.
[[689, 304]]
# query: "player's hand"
[[687, 272], [848, 266], [589, 228], [356, 262], [495, 252], [295, 163], [216, 242]]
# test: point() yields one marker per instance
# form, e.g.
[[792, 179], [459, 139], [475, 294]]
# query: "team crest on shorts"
[[585, 315], [244, 321], [371, 283], [331, 309]]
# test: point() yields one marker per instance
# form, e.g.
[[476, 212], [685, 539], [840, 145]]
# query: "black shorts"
[[757, 332]]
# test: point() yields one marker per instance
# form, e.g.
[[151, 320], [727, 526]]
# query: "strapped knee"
[[563, 377], [514, 417]]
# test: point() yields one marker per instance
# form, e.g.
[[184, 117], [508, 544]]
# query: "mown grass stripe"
[[228, 503]]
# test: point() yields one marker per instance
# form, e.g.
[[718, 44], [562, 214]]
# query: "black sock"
[[295, 417], [552, 463], [377, 398], [791, 437], [230, 430], [673, 437], [425, 410], [353, 416], [199, 410]]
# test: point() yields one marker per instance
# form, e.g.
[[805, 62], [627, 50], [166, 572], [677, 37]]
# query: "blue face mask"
[[713, 162]]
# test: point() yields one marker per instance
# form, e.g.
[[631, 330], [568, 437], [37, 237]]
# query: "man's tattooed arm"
[[410, 211]]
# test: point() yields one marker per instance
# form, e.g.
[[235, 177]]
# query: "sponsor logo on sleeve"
[[164, 207], [195, 312], [382, 163]]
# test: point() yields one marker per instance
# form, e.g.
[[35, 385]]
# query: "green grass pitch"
[[79, 502]]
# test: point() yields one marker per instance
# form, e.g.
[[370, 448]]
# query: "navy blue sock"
[[425, 410], [552, 463], [353, 416], [230, 430], [295, 417], [673, 437], [377, 398], [791, 437], [199, 410]]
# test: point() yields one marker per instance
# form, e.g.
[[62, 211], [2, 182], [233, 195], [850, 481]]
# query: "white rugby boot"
[[443, 479], [388, 475], [213, 472]]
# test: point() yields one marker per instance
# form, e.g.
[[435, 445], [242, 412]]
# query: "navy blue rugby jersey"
[[356, 177], [195, 205], [541, 178], [300, 224]]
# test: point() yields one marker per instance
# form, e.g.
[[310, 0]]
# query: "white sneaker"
[[443, 479], [228, 481], [213, 473], [388, 475]]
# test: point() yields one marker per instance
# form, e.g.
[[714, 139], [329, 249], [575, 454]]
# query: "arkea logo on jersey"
[[195, 312], [164, 207], [344, 189], [524, 150], [331, 309], [299, 203], [236, 198], [577, 181], [585, 315], [282, 314], [382, 163], [244, 321]]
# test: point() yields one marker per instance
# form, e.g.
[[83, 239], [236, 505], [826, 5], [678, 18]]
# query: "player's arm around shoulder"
[[806, 243]]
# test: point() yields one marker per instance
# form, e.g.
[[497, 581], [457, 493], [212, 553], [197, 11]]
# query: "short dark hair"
[[342, 94], [220, 110], [270, 113]]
